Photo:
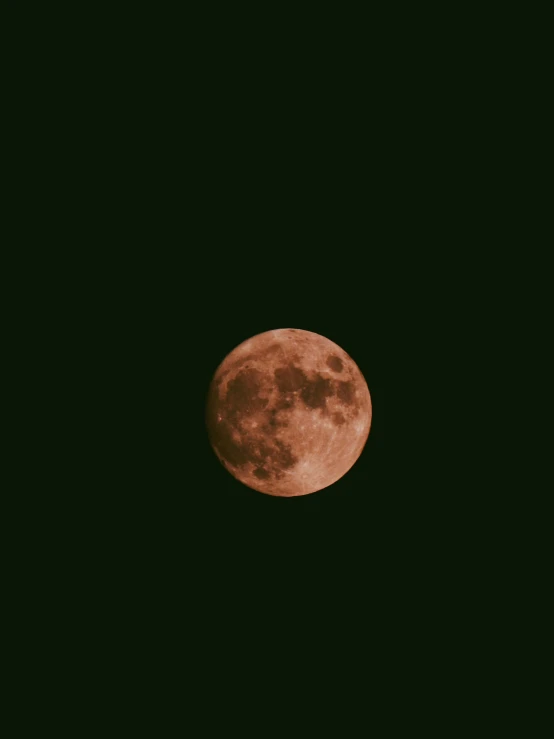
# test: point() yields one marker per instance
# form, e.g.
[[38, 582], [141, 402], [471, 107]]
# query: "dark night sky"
[[206, 198], [203, 229], [205, 224]]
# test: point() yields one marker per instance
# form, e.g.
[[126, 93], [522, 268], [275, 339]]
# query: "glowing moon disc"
[[288, 412]]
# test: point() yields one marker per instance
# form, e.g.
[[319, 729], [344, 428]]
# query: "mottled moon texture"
[[288, 412]]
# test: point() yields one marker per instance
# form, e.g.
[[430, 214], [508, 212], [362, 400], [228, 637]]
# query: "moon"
[[288, 412]]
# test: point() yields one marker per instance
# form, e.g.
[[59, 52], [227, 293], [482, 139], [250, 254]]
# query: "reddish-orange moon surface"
[[288, 412]]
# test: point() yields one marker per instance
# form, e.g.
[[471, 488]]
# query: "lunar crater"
[[346, 392], [315, 393], [334, 362], [289, 378]]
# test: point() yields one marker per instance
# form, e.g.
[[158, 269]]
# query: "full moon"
[[288, 412]]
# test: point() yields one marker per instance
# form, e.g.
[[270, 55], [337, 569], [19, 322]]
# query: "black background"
[[204, 204], [188, 188]]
